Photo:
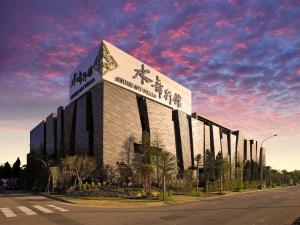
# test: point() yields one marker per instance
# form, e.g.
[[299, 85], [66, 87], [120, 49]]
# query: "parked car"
[[11, 184]]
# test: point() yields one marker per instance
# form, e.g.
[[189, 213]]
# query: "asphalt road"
[[271, 207]]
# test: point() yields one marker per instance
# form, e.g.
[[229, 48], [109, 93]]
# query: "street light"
[[261, 163]]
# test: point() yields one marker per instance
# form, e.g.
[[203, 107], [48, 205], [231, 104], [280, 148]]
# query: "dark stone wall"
[[182, 130], [121, 120], [69, 128], [262, 157], [51, 135], [81, 132], [60, 133], [97, 109], [256, 150], [37, 139]]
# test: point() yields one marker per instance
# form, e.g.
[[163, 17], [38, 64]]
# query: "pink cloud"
[[224, 23], [232, 2], [189, 48], [175, 56], [283, 32], [129, 7], [240, 45], [177, 33]]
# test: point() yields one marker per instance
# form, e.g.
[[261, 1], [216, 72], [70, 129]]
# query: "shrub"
[[148, 194], [168, 197], [238, 186], [196, 194], [143, 194]]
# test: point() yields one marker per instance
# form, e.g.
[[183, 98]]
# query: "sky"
[[241, 59]]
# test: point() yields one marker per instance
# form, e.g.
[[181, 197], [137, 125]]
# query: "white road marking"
[[43, 209], [7, 212], [59, 208], [26, 210]]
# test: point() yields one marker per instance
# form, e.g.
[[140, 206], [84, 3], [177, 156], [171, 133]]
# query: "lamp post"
[[261, 163]]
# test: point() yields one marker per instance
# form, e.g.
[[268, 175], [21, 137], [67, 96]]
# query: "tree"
[[247, 171], [167, 165], [128, 150], [16, 170], [81, 167], [1, 172], [37, 173], [156, 151], [209, 167], [219, 162], [7, 171], [198, 160], [110, 175], [142, 163], [124, 174]]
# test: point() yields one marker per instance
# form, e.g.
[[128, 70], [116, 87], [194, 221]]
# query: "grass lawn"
[[121, 202]]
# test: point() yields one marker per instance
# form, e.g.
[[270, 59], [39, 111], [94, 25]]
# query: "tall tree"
[[16, 170], [167, 165], [156, 151], [128, 150], [219, 165], [142, 163], [81, 167], [198, 160], [7, 171]]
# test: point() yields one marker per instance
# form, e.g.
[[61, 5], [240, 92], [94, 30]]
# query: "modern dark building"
[[115, 97]]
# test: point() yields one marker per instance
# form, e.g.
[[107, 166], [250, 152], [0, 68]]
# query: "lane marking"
[[7, 212], [43, 209], [26, 210], [59, 208]]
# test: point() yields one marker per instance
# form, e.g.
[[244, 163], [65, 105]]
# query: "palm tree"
[[167, 166], [198, 160]]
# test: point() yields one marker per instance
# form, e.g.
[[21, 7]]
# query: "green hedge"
[[230, 185]]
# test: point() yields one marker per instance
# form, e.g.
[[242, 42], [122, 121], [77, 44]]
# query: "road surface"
[[271, 207]]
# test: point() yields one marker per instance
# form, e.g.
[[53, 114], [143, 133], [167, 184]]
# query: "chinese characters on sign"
[[158, 87], [81, 77], [141, 73]]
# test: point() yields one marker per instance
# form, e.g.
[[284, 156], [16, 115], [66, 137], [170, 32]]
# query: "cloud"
[[241, 59]]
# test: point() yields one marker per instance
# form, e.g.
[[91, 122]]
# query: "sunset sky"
[[241, 59]]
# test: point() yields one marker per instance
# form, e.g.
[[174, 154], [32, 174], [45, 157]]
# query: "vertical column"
[[69, 128], [198, 137], [216, 144], [97, 102], [51, 135], [60, 133], [182, 139], [37, 139], [81, 132], [233, 142]]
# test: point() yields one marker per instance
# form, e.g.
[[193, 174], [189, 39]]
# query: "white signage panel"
[[124, 70], [86, 75]]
